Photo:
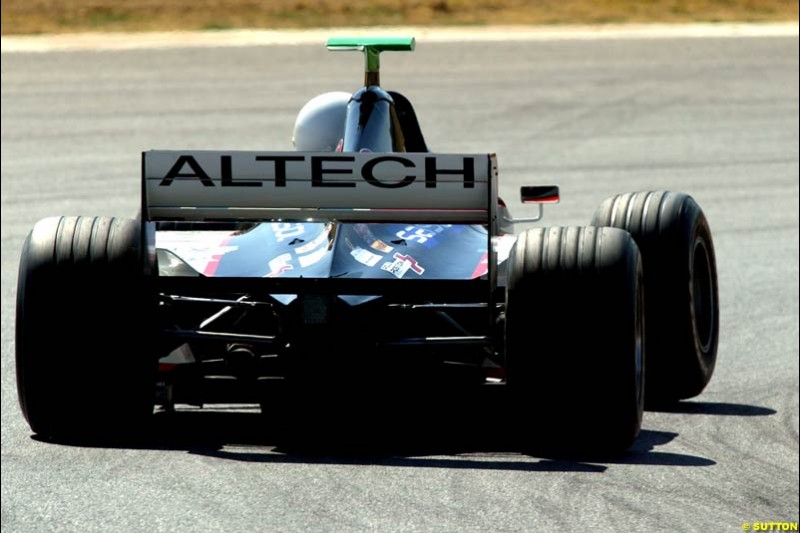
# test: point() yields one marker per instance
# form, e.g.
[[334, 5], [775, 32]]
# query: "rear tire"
[[573, 331], [681, 300], [83, 329]]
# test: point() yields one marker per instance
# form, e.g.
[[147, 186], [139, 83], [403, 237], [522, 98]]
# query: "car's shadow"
[[713, 408], [475, 436]]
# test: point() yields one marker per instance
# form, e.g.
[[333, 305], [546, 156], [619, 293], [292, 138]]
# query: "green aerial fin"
[[372, 48]]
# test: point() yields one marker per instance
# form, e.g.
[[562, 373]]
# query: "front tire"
[[681, 299], [82, 329]]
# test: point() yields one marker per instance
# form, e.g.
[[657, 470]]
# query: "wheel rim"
[[703, 294]]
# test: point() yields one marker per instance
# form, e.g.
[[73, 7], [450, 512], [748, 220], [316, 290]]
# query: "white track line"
[[161, 40]]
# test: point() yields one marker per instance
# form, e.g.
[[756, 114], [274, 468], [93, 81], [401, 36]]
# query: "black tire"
[[681, 301], [573, 332], [84, 369]]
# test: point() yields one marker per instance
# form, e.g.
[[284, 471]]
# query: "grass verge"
[[60, 16]]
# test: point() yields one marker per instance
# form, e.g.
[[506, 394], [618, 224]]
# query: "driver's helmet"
[[320, 124]]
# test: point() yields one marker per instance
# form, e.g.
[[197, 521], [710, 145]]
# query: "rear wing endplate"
[[373, 187]]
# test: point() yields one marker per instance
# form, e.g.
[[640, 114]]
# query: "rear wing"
[[372, 187]]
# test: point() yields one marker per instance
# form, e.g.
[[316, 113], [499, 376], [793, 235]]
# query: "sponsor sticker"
[[365, 257], [363, 231], [402, 264], [425, 234], [279, 265], [381, 246]]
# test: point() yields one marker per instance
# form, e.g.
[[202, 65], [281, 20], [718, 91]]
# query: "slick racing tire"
[[681, 301], [82, 330], [574, 338]]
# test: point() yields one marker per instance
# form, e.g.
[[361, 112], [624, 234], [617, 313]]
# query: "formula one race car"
[[362, 257]]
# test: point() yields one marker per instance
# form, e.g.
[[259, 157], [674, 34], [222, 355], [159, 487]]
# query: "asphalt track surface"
[[717, 118]]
